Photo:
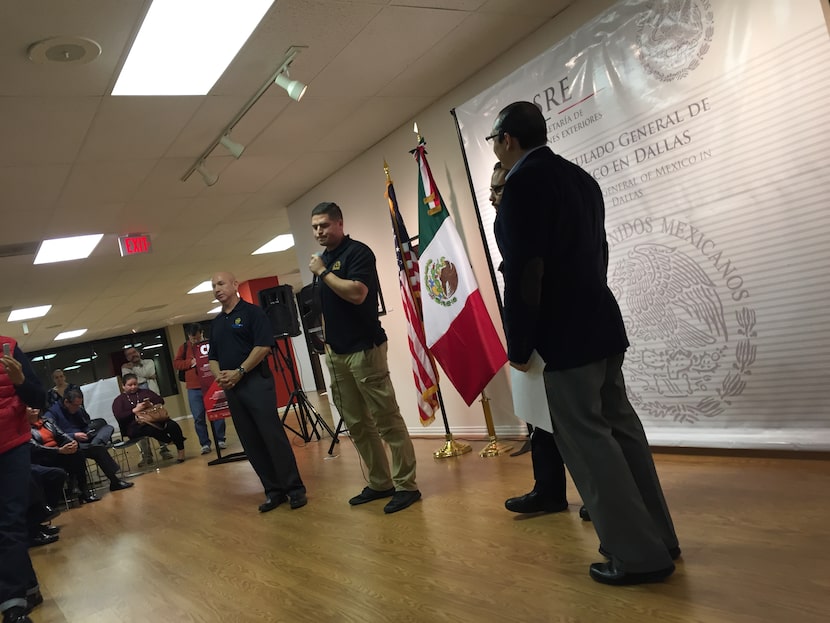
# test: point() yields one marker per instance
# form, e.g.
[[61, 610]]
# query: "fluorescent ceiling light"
[[205, 286], [71, 368], [68, 335], [29, 312], [215, 310], [83, 360], [65, 249], [280, 243], [184, 46], [149, 346]]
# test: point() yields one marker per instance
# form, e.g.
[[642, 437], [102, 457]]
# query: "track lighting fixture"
[[232, 146], [209, 178], [295, 90]]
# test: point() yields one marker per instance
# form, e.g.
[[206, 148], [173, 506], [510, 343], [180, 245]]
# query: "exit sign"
[[134, 244]]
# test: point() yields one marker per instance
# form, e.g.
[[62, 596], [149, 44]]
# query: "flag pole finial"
[[418, 134], [386, 170]]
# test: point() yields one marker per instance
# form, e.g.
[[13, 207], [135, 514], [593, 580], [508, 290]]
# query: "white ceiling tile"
[[44, 130]]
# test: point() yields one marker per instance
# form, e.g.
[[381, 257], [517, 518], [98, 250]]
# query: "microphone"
[[314, 276]]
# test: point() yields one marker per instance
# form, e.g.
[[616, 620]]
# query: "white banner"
[[702, 121]]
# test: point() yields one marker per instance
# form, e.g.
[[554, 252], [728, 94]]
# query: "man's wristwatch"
[[241, 371], [324, 273]]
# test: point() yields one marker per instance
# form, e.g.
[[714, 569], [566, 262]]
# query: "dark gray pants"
[[253, 406], [606, 451]]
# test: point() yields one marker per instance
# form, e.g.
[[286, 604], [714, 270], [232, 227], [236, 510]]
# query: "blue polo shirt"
[[234, 335]]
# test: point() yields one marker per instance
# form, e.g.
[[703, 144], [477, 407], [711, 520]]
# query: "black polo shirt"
[[351, 328], [234, 335]]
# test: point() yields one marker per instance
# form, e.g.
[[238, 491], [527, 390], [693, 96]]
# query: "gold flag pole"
[[451, 447], [495, 447]]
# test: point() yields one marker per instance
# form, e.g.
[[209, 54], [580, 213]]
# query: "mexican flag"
[[458, 329]]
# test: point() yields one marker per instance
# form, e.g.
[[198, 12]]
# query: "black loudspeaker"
[[312, 318], [281, 309]]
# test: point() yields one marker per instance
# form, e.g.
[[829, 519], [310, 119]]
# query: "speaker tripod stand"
[[308, 419]]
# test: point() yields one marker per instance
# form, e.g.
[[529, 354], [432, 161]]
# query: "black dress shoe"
[[16, 614], [607, 573], [271, 502], [583, 513], [88, 498], [33, 601], [49, 529], [674, 552], [118, 485], [370, 495], [42, 539], [535, 502], [401, 500], [297, 500]]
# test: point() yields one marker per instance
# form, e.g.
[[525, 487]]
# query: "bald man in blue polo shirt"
[[240, 339]]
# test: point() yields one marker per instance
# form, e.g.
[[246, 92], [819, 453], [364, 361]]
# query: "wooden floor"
[[187, 544]]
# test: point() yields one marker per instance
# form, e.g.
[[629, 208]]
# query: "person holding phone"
[[19, 387], [127, 407]]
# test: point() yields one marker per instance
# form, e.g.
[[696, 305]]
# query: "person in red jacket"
[[19, 386], [185, 361]]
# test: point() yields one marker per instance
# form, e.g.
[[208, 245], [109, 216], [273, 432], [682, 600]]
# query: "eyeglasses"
[[499, 135]]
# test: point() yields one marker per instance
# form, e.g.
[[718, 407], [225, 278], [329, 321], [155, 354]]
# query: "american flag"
[[423, 369]]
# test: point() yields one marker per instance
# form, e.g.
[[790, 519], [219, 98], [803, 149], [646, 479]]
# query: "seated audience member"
[[92, 442], [39, 511], [127, 409], [71, 417], [61, 387], [145, 371], [53, 448], [50, 482]]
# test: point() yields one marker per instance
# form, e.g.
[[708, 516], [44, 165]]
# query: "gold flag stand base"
[[452, 448], [495, 448]]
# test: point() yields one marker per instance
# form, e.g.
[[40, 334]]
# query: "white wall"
[[359, 190]]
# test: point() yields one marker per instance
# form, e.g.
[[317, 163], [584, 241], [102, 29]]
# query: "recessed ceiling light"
[[65, 249], [29, 312], [280, 243], [68, 335], [205, 286], [184, 46]]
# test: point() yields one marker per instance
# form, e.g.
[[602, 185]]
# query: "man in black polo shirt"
[[240, 339], [356, 355]]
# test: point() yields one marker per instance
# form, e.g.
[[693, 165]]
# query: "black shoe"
[[16, 614], [33, 601], [42, 539], [607, 573], [88, 498], [271, 502], [118, 485], [370, 495], [534, 502], [674, 552], [401, 500], [583, 513], [49, 529], [297, 500]]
